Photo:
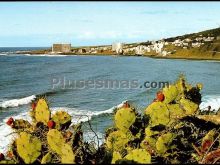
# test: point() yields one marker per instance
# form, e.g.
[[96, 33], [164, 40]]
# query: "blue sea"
[[25, 77]]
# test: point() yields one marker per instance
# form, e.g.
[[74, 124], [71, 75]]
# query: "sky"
[[39, 24]]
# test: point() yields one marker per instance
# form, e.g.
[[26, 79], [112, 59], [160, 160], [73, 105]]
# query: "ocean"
[[25, 77]]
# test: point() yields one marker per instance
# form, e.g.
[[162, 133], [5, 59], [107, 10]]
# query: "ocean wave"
[[3, 54], [210, 100], [45, 55], [84, 115], [17, 102]]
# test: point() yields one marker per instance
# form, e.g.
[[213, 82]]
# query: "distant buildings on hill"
[[161, 47], [117, 47]]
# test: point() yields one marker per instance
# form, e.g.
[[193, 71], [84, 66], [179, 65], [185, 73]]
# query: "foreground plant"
[[172, 129]]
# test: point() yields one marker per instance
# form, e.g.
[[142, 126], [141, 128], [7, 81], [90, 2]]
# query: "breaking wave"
[[17, 102], [210, 100]]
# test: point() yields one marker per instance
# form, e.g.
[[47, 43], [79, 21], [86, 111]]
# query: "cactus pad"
[[159, 113], [175, 111], [117, 140], [7, 162], [140, 156], [116, 156], [21, 124], [62, 119], [47, 158], [124, 118], [170, 93], [28, 147], [67, 155], [163, 142], [55, 140], [42, 112], [188, 106], [148, 142], [149, 132]]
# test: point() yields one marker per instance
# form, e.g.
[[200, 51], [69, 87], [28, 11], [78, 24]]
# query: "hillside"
[[202, 45]]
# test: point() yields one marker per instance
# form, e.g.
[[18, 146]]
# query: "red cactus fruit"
[[2, 157], [10, 154], [51, 124], [206, 145], [10, 121], [160, 96], [33, 105]]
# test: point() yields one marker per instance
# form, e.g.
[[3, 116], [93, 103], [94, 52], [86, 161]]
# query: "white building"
[[139, 49], [117, 47], [158, 47]]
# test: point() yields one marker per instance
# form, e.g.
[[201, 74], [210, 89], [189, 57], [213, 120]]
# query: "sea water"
[[25, 77]]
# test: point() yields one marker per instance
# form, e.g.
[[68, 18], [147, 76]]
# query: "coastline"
[[124, 55]]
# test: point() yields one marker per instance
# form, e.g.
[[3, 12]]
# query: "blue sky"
[[97, 23]]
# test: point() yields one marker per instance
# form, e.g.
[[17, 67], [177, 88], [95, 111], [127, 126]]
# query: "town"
[[162, 47], [190, 44]]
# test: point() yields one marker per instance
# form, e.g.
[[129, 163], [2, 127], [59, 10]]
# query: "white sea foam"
[[78, 116], [17, 102], [6, 132], [210, 100], [3, 54], [46, 55], [97, 137]]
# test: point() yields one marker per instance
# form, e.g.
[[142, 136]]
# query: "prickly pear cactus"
[[42, 112], [140, 156], [170, 93], [7, 162], [124, 118], [188, 106], [149, 132], [47, 158], [55, 140], [116, 156], [21, 124], [62, 119], [164, 142], [175, 111], [28, 147], [67, 155], [159, 113], [148, 143], [117, 140]]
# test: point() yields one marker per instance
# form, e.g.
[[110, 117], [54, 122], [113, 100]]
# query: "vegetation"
[[172, 130]]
